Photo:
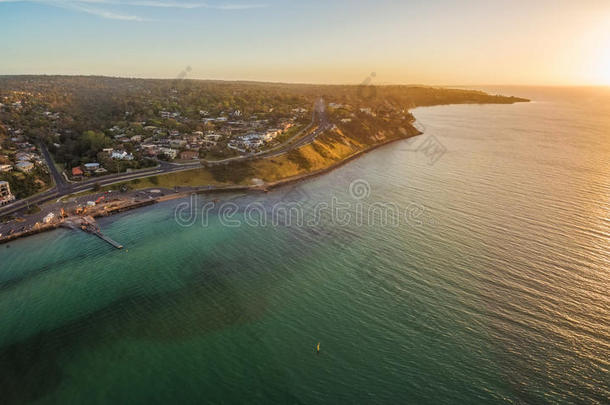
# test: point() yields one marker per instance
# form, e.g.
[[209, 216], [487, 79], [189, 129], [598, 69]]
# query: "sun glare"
[[603, 69]]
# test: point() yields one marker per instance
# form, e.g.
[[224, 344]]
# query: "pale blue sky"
[[429, 42]]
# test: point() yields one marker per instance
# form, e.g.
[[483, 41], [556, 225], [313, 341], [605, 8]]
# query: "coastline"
[[207, 189]]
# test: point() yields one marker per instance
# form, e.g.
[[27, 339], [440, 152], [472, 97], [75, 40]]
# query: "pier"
[[107, 239], [89, 225]]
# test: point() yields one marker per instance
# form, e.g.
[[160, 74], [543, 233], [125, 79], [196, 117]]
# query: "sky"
[[442, 42]]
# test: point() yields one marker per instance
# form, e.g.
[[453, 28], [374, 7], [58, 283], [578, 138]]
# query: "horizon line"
[[301, 83]]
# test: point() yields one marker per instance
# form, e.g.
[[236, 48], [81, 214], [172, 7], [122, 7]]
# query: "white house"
[[171, 153], [121, 155], [25, 166], [5, 193], [92, 166]]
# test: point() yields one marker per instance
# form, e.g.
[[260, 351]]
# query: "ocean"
[[470, 265]]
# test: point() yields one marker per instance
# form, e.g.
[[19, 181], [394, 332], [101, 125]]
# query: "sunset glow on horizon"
[[446, 43]]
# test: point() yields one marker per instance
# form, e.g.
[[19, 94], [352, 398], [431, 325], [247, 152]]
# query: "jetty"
[[89, 225]]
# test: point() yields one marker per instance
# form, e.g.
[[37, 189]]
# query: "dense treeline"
[[93, 102]]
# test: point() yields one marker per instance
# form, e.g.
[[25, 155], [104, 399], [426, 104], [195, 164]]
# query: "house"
[[77, 172], [23, 156], [177, 143], [121, 155], [107, 150], [189, 155], [5, 193], [101, 170], [92, 166], [5, 168], [171, 153], [25, 166], [212, 137]]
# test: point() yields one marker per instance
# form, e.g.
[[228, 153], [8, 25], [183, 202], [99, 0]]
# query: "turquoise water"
[[493, 290]]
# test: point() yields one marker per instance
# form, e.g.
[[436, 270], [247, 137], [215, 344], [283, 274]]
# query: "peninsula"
[[64, 137]]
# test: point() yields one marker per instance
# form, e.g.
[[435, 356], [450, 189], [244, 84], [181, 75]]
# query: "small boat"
[[318, 348]]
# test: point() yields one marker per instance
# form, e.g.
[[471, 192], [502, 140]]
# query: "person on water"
[[318, 348]]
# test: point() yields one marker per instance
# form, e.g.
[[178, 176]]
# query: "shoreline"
[[40, 228]]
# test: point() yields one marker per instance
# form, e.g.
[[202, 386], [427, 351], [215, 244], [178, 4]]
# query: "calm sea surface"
[[492, 288]]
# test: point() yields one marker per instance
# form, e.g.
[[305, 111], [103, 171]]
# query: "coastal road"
[[60, 182], [71, 188], [63, 188]]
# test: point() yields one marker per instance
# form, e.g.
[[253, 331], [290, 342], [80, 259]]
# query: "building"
[[25, 166], [213, 137], [121, 155], [5, 193], [92, 166], [5, 168], [171, 153], [177, 143], [77, 172], [189, 155], [23, 156]]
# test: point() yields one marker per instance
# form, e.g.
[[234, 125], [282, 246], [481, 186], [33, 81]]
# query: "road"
[[63, 188], [60, 182]]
